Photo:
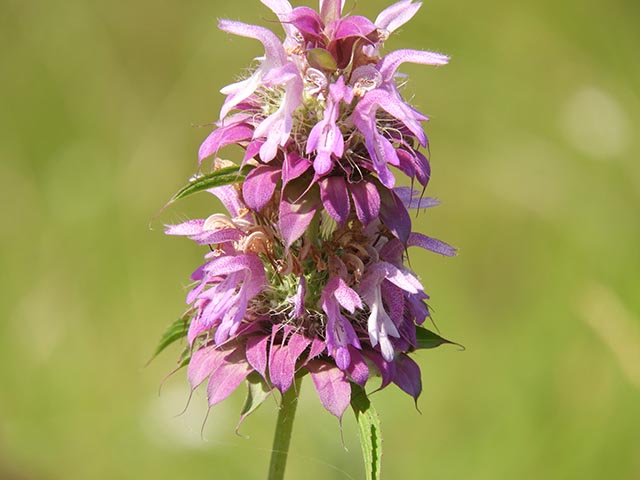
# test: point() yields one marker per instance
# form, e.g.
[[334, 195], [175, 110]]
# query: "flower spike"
[[307, 272]]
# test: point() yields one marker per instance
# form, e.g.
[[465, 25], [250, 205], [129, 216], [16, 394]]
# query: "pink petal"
[[279, 7], [393, 297], [229, 197], [280, 369], [275, 56], [401, 277], [393, 104], [277, 126], [392, 251], [332, 386], [423, 169], [221, 137], [346, 296], [353, 26], [342, 357], [393, 17], [257, 353], [358, 369], [274, 51], [253, 149], [407, 376], [282, 8], [322, 164], [203, 362], [432, 244], [330, 10], [395, 216], [298, 344], [307, 21], [386, 369], [258, 187], [227, 377], [412, 198], [282, 361], [293, 167], [366, 199], [390, 63], [407, 163], [219, 236], [297, 211], [188, 228], [238, 92], [226, 265], [317, 347], [335, 198], [196, 328]]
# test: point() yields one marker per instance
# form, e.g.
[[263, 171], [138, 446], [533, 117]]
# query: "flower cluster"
[[307, 271]]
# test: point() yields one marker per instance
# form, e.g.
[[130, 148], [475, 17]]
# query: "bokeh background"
[[535, 149]]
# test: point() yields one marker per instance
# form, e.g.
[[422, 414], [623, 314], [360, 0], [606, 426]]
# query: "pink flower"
[[306, 273]]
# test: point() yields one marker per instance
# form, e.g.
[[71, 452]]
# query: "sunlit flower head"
[[306, 272]]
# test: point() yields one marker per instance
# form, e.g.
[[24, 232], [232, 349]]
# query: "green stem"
[[284, 426]]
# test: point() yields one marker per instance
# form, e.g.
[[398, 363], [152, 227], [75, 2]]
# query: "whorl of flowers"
[[306, 272]]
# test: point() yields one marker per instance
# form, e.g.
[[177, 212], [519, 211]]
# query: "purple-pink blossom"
[[307, 272]]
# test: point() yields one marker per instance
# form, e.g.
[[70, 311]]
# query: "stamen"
[[218, 221], [315, 81], [364, 79]]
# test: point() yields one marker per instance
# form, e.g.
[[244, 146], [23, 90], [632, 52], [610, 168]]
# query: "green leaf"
[[185, 358], [257, 393], [177, 330], [370, 432], [217, 178], [322, 59], [428, 339]]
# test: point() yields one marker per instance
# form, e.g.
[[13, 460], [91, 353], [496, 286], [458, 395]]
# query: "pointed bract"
[[332, 386]]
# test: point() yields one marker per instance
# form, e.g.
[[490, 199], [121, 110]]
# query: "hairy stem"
[[284, 426]]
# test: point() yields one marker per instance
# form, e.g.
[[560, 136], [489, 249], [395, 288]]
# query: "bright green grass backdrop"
[[534, 137]]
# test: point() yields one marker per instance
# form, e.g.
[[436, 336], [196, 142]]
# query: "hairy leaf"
[[185, 358], [370, 433], [217, 178], [257, 393], [427, 339], [177, 330]]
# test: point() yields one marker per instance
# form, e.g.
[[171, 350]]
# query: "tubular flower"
[[306, 272]]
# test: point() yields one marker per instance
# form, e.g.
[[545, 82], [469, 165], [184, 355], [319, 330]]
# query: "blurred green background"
[[535, 157]]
